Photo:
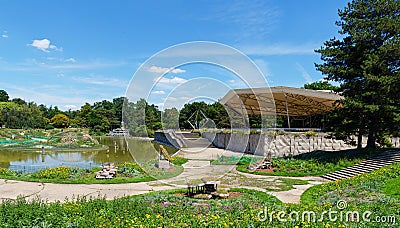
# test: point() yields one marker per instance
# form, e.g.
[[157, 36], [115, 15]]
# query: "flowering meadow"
[[365, 195]]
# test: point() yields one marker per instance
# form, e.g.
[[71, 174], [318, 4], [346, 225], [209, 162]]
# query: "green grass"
[[234, 160], [173, 209], [392, 187], [314, 164], [239, 180], [275, 185], [376, 191], [151, 210], [179, 160]]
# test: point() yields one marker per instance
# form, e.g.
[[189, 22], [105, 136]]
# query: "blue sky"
[[66, 53]]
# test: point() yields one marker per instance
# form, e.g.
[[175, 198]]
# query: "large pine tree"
[[365, 59]]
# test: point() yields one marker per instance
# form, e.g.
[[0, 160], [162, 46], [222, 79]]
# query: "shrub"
[[197, 131], [6, 172], [49, 127], [61, 172], [310, 133], [150, 133], [244, 160], [272, 133], [254, 131], [281, 132], [178, 160], [130, 169]]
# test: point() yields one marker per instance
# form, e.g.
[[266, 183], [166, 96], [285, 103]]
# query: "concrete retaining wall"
[[169, 138], [280, 145]]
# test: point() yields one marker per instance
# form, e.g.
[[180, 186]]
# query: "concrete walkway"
[[193, 169]]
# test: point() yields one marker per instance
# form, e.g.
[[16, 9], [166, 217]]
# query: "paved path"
[[196, 168]]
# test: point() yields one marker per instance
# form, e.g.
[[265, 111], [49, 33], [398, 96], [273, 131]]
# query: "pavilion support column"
[[287, 111]]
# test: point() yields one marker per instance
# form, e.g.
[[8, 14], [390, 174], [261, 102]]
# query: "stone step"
[[367, 168], [384, 159], [343, 175], [330, 177], [360, 171], [374, 164], [351, 172], [392, 156]]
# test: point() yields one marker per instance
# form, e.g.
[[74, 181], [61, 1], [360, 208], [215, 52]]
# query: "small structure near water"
[[119, 131], [108, 171]]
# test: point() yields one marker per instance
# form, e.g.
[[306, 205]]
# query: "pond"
[[119, 150]]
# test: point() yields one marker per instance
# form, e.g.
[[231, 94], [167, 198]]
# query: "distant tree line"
[[100, 117], [141, 118]]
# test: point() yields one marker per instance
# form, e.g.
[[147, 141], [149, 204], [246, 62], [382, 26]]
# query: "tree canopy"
[[365, 60], [4, 96], [60, 121], [321, 85]]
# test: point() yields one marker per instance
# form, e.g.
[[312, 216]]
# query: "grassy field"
[[366, 194]]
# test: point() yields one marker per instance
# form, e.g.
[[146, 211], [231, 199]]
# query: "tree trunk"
[[359, 139], [371, 139]]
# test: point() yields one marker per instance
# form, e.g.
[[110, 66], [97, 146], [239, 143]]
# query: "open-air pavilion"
[[281, 101]]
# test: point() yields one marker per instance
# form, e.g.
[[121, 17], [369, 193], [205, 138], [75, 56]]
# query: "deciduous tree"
[[4, 96], [60, 121]]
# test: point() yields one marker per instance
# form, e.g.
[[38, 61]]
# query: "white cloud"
[[237, 83], [279, 49], [304, 73], [71, 60], [158, 92], [253, 19], [160, 106], [171, 99], [68, 107], [100, 80], [42, 95], [174, 80], [185, 98], [34, 65], [5, 34], [178, 71], [44, 45], [161, 70]]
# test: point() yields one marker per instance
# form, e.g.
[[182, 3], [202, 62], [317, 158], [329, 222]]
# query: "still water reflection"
[[119, 150]]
